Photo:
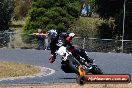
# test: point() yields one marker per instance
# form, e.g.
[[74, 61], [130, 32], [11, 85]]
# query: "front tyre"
[[96, 70]]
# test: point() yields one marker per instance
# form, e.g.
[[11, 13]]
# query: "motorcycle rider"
[[66, 39]]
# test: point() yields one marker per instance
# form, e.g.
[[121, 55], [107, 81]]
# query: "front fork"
[[81, 71]]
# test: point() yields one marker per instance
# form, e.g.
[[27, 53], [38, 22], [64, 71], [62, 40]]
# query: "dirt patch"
[[68, 85]]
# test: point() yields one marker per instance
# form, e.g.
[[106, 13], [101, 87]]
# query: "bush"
[[5, 16], [86, 27], [48, 14]]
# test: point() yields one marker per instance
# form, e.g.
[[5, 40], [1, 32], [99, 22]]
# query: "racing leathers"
[[66, 39]]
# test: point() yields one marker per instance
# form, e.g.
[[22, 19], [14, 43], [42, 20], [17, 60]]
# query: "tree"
[[48, 14], [21, 8], [114, 9], [5, 14]]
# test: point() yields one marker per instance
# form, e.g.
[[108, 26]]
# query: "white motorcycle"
[[72, 65]]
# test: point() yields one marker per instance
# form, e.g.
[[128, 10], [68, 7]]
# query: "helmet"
[[53, 33], [71, 34]]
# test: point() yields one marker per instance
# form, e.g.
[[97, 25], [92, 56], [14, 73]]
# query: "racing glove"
[[52, 59], [53, 56]]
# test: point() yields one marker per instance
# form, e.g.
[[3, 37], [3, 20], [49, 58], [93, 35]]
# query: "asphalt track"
[[110, 63]]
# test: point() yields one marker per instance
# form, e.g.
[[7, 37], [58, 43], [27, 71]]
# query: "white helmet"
[[72, 34], [53, 33]]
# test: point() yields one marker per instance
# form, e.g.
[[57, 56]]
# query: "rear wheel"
[[81, 80], [68, 67]]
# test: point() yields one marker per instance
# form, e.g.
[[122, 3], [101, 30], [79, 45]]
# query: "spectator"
[[46, 43], [40, 36]]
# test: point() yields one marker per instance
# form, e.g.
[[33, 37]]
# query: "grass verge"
[[11, 69]]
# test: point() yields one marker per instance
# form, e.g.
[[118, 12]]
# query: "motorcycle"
[[70, 64]]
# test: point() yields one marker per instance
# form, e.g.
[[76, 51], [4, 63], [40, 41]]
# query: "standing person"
[[54, 36], [46, 42], [40, 38]]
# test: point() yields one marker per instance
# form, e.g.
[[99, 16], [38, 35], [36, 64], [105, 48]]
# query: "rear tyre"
[[81, 80], [69, 68]]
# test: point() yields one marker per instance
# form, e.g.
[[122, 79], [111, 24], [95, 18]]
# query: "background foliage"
[[86, 27], [114, 9], [5, 14], [6, 9], [51, 14], [21, 8], [48, 14]]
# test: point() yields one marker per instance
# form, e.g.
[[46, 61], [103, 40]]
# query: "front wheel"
[[96, 70]]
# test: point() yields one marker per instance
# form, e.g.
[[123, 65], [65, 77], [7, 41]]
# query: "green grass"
[[11, 69]]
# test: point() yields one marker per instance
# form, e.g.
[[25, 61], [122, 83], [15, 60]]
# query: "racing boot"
[[83, 54]]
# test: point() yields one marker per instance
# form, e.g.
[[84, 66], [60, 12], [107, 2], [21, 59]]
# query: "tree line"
[[61, 14]]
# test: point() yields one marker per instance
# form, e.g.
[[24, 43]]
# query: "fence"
[[17, 40], [14, 40], [103, 45]]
